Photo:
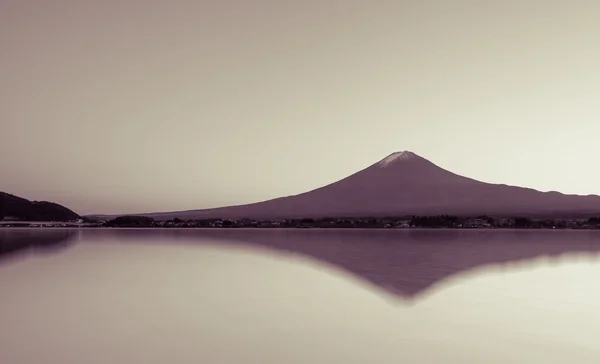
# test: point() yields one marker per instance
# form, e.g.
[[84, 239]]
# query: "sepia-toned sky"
[[138, 106]]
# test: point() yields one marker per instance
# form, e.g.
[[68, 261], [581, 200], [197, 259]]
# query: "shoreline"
[[286, 228]]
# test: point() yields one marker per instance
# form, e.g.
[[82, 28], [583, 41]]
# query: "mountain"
[[405, 183], [22, 209]]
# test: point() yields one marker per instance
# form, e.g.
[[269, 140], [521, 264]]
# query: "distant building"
[[504, 222], [477, 223], [403, 224]]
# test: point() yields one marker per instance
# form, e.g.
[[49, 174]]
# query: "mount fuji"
[[403, 184]]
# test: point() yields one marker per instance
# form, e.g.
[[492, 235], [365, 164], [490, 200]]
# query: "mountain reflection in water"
[[405, 263], [299, 296]]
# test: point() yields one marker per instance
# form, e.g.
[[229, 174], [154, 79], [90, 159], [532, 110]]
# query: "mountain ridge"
[[403, 183]]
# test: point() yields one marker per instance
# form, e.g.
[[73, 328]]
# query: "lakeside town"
[[440, 221], [433, 222]]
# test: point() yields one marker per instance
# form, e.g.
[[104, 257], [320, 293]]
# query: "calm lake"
[[155, 296]]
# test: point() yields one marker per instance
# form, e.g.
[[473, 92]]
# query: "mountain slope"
[[23, 209], [404, 183]]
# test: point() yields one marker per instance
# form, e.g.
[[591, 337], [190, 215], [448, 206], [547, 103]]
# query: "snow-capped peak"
[[404, 155]]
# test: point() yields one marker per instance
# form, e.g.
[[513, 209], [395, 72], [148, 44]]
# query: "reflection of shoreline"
[[14, 241], [406, 263]]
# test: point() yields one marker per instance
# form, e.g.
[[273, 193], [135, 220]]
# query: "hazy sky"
[[122, 106]]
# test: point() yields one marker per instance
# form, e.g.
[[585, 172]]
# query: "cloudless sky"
[[138, 106]]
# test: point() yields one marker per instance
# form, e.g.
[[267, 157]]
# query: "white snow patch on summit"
[[405, 155]]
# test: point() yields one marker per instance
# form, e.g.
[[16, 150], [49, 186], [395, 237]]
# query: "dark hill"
[[17, 207]]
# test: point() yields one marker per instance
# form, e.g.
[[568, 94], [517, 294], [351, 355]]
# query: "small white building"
[[403, 224], [477, 223]]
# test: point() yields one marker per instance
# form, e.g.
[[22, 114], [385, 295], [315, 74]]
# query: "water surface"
[[298, 296]]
